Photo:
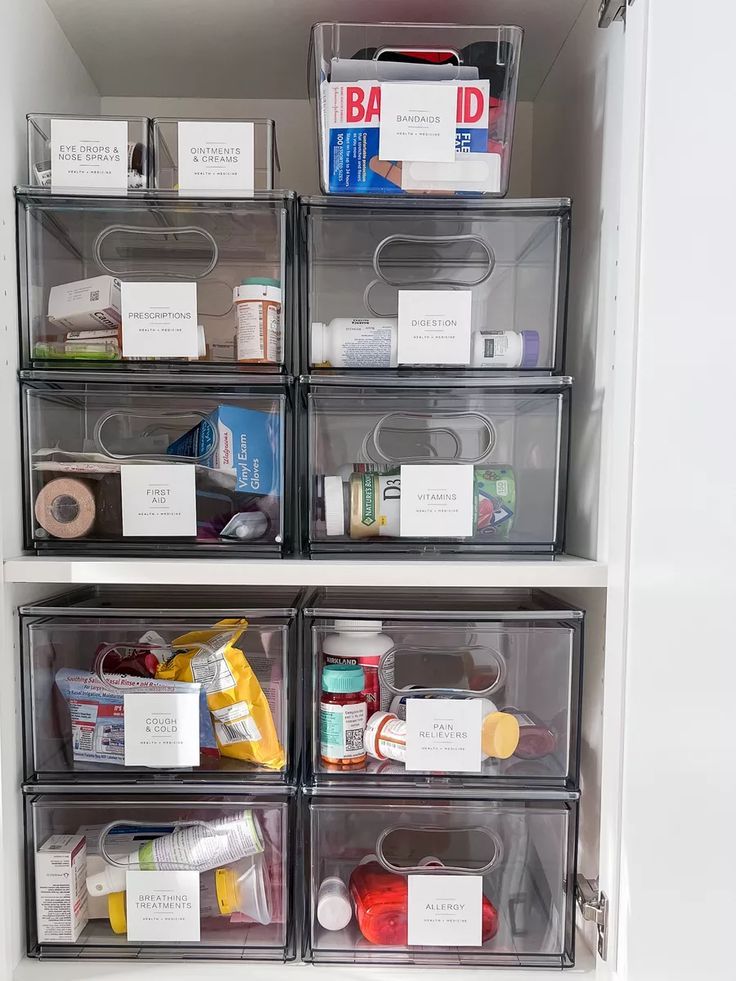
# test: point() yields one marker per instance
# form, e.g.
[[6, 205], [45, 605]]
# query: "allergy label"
[[445, 910]]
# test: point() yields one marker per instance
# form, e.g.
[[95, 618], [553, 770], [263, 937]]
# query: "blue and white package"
[[248, 445]]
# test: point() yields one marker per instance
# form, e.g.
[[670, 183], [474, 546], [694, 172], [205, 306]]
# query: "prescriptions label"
[[161, 729], [162, 906], [434, 327], [444, 734], [159, 500], [437, 501], [89, 153], [445, 910], [417, 122], [216, 156], [159, 320]]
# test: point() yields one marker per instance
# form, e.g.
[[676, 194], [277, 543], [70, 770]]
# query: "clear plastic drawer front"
[[406, 467], [117, 694], [457, 884], [139, 470], [448, 284], [159, 878], [412, 108], [156, 282]]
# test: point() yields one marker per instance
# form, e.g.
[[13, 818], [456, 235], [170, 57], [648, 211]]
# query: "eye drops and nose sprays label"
[[89, 154]]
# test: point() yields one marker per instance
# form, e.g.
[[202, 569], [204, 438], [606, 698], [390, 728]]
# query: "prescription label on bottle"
[[162, 906], [444, 734], [437, 501], [216, 156], [445, 910], [341, 730], [159, 320], [161, 729], [417, 122], [159, 500], [434, 327], [89, 154]]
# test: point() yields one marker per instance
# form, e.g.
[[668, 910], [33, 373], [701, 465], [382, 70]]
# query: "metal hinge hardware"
[[594, 907], [611, 10]]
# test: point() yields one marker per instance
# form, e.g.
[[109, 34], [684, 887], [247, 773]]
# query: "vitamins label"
[[445, 910], [444, 734], [159, 320], [434, 327], [162, 906], [417, 122], [159, 500], [341, 730], [437, 500], [89, 153], [216, 156], [161, 729]]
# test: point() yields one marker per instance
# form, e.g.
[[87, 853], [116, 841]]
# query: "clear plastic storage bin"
[[80, 154], [420, 467], [499, 269], [453, 883], [127, 685], [98, 888], [477, 691], [412, 108], [155, 281], [141, 470], [237, 154]]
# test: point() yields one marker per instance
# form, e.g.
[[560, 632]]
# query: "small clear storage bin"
[[411, 466], [143, 470], [412, 108], [451, 883], [234, 154], [477, 691], [80, 154], [105, 880], [500, 267], [100, 667], [156, 281]]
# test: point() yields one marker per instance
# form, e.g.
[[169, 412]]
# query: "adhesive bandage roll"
[[65, 508]]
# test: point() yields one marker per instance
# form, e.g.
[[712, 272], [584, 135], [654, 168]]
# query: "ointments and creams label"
[[162, 906], [437, 501], [434, 327], [161, 729], [159, 500], [89, 153], [216, 156], [417, 122], [444, 734], [445, 911], [159, 320]]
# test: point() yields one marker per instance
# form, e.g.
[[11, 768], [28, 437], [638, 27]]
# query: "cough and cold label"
[[89, 153], [445, 910], [341, 730], [161, 729]]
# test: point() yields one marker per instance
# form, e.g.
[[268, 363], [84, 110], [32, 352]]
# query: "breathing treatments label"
[[216, 156], [445, 910], [162, 906], [89, 153], [437, 500], [161, 729], [434, 327], [444, 734], [417, 122], [159, 500], [159, 320]]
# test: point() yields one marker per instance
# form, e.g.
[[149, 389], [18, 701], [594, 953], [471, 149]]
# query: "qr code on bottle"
[[353, 739], [94, 296]]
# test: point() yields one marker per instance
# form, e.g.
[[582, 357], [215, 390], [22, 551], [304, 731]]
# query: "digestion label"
[[434, 327]]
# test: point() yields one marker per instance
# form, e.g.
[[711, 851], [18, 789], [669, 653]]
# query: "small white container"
[[259, 335], [334, 908], [505, 349], [355, 342]]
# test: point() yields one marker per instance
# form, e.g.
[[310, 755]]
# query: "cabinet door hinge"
[[594, 907], [611, 10]]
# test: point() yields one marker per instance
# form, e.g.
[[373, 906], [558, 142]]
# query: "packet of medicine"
[[61, 889], [87, 304]]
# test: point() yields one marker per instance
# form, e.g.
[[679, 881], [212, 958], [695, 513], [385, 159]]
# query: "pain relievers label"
[[434, 327], [89, 154], [445, 910], [159, 320], [159, 500], [216, 156], [444, 734], [437, 501], [162, 906], [417, 122], [161, 729]]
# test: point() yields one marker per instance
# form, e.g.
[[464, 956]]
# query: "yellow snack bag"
[[241, 715]]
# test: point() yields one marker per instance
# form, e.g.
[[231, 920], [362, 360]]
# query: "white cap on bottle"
[[370, 625], [317, 343], [334, 909], [110, 879], [334, 506]]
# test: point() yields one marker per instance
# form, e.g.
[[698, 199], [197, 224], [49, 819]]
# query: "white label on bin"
[[445, 911], [434, 327], [161, 729], [159, 500], [89, 153], [159, 320], [162, 906], [444, 734], [417, 122], [437, 501], [216, 156]]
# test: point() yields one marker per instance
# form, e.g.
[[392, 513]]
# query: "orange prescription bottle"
[[258, 335], [343, 714]]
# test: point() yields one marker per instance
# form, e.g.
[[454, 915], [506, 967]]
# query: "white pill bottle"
[[360, 642], [355, 342]]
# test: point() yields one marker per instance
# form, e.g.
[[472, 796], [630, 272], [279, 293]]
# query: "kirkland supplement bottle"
[[259, 338], [342, 715], [359, 642]]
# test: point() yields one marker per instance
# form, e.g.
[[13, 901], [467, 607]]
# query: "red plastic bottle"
[[535, 738]]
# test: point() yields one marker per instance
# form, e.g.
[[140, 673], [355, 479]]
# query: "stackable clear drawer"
[[462, 883], [160, 877], [141, 470]]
